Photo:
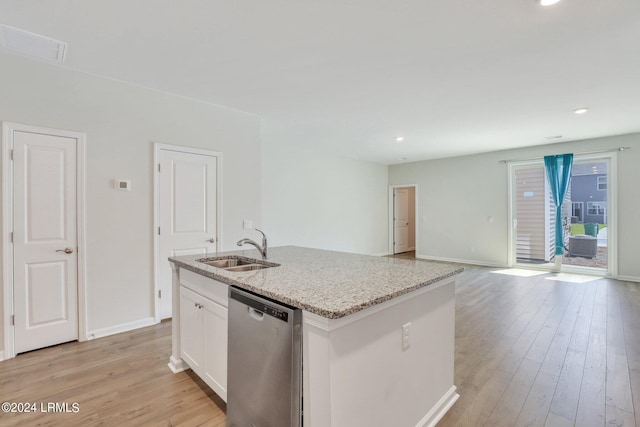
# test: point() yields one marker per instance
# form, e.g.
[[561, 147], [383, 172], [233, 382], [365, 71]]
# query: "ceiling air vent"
[[31, 44]]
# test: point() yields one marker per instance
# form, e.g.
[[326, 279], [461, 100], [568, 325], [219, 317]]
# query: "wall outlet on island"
[[247, 224], [406, 336]]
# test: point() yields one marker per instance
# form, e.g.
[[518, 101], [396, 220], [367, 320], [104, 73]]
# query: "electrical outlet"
[[406, 336], [247, 224]]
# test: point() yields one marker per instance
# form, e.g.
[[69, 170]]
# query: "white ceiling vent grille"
[[31, 44]]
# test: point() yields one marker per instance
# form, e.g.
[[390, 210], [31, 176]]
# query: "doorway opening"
[[403, 210]]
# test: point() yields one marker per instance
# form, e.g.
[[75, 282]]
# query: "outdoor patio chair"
[[591, 229]]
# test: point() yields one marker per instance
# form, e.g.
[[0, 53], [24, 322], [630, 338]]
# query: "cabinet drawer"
[[205, 286]]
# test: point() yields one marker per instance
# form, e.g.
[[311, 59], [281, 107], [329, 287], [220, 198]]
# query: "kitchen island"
[[377, 334]]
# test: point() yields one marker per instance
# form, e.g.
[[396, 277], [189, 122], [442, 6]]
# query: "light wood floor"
[[529, 352], [537, 352], [122, 380]]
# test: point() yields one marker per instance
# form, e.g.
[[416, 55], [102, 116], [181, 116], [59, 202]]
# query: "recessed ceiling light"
[[399, 138], [547, 2], [31, 44], [581, 110]]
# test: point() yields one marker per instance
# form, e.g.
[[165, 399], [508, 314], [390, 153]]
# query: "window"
[[596, 208], [602, 183]]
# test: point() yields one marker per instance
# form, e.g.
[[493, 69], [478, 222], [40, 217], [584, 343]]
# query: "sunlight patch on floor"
[[520, 272], [572, 278]]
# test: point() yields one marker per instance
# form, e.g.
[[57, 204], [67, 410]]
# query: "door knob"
[[211, 240], [65, 250]]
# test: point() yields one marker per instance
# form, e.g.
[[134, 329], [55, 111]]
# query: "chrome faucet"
[[262, 249]]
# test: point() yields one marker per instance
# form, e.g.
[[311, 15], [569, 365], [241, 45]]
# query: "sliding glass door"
[[586, 216]]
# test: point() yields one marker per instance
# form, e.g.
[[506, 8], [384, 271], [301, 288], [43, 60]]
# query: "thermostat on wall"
[[123, 184]]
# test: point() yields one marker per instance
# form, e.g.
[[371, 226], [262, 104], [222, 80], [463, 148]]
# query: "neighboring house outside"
[[589, 198]]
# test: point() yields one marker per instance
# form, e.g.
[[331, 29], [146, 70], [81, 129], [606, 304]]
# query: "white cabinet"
[[191, 329], [203, 331], [215, 347]]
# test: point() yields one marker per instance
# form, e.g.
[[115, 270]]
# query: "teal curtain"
[[559, 174]]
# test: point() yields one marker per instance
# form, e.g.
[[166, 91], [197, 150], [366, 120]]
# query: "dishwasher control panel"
[[262, 307]]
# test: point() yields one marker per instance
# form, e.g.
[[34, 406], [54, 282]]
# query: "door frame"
[[157, 147], [7, 227], [390, 247]]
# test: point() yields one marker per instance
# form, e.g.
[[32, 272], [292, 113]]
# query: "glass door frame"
[[612, 217]]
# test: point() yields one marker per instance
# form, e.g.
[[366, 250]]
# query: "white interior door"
[[400, 220], [187, 213], [45, 240]]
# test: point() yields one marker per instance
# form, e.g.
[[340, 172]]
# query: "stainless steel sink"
[[227, 262], [248, 267], [235, 263]]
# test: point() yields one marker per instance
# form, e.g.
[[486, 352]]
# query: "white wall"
[[122, 122], [456, 196], [319, 200]]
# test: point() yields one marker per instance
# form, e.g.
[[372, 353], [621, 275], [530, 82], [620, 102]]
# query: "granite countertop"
[[328, 283]]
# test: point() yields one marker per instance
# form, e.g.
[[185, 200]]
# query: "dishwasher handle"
[[255, 314]]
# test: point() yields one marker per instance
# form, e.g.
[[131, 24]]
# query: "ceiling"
[[453, 77]]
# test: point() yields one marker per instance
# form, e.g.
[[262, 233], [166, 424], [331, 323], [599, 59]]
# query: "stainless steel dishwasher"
[[264, 387]]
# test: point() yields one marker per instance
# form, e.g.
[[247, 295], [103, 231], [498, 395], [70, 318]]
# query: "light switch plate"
[[247, 224], [123, 184]]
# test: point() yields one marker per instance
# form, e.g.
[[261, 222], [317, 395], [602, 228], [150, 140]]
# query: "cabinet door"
[[215, 337], [191, 329]]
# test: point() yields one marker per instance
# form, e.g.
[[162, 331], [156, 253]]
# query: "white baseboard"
[[440, 409], [123, 327], [1, 356], [461, 261], [629, 278], [382, 254], [177, 365]]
